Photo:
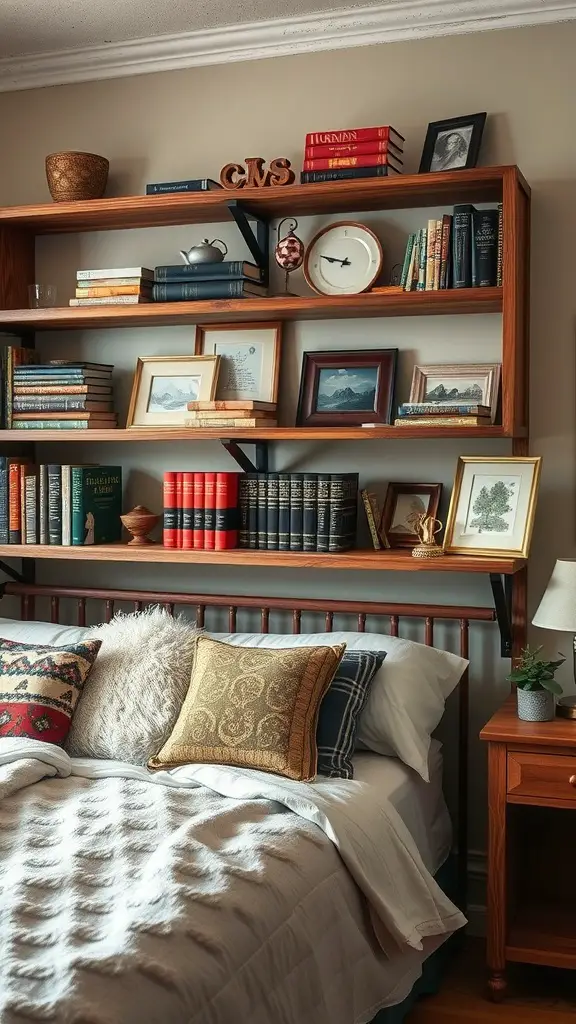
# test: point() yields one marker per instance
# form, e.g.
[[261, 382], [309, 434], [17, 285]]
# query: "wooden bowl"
[[76, 176]]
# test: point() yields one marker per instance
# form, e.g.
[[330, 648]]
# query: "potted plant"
[[536, 686]]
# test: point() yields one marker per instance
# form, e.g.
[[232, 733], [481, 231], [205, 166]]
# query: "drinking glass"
[[41, 295]]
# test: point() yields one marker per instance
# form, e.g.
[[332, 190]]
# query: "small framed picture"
[[452, 145], [339, 389], [249, 359], [458, 386], [403, 504], [163, 386], [493, 506]]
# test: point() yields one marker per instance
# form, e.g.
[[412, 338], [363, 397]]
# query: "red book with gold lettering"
[[198, 517], [188, 510], [347, 135], [354, 149], [364, 160], [226, 534], [209, 511], [169, 534]]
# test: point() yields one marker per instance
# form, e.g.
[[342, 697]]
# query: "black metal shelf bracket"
[[502, 594], [12, 573], [260, 464], [255, 233]]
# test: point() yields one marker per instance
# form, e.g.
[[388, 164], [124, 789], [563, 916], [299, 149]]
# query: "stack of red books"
[[352, 153], [201, 510]]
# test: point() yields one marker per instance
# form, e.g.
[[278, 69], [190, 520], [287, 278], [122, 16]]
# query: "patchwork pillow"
[[340, 711], [252, 708], [40, 687], [136, 690]]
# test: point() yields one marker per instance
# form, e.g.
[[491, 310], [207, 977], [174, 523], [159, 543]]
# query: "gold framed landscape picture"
[[250, 359], [493, 506], [163, 386]]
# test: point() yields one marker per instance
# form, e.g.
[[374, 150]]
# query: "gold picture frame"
[[158, 401], [484, 375], [496, 504], [245, 375]]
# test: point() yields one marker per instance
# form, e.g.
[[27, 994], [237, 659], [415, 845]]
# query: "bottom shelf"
[[400, 561], [543, 933]]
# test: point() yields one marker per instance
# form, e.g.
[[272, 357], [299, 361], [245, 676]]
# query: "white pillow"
[[130, 704], [407, 695], [51, 634]]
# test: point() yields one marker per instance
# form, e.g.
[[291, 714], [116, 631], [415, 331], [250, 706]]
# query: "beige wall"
[[189, 123]]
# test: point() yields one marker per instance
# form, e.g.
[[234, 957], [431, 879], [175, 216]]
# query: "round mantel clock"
[[343, 259]]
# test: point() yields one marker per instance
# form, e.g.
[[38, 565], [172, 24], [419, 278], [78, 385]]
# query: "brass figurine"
[[427, 527]]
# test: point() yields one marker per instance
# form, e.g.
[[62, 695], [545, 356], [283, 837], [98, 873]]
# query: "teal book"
[[96, 499]]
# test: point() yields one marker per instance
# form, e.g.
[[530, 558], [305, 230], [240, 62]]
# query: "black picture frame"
[[381, 361], [453, 126]]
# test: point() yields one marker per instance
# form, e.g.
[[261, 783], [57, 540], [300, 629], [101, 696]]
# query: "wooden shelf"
[[480, 184], [121, 436], [284, 307], [543, 934], [397, 561]]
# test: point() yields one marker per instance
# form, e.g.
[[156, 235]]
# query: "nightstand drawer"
[[548, 776]]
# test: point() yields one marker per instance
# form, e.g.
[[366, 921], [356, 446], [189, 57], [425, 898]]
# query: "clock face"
[[343, 259]]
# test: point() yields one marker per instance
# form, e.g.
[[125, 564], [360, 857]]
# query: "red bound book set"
[[351, 152], [201, 510]]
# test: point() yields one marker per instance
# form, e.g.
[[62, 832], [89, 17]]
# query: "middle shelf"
[[121, 436]]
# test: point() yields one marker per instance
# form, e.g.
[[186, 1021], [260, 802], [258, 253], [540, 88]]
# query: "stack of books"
[[62, 395], [352, 153], [113, 286], [460, 250], [230, 279], [59, 505], [438, 414], [231, 414], [201, 510], [298, 511]]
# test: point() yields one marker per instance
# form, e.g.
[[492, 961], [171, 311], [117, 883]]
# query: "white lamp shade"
[[557, 609]]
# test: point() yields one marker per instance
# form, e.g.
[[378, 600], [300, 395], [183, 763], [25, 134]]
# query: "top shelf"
[[481, 184]]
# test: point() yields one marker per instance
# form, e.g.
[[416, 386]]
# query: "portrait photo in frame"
[[163, 386], [458, 384], [347, 388], [249, 359], [453, 144], [403, 504], [493, 505]]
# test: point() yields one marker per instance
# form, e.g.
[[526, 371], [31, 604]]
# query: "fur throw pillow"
[[135, 691]]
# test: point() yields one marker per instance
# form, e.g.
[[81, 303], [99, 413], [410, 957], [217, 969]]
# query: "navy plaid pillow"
[[340, 711]]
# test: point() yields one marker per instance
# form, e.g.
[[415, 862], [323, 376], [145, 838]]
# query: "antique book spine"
[[371, 520], [158, 188], [201, 422], [407, 260], [500, 245], [111, 300], [440, 409], [343, 511], [91, 275], [252, 486], [484, 248], [348, 173], [209, 511], [66, 506], [372, 146], [445, 251], [336, 162], [110, 282], [344, 136], [283, 511], [4, 530], [40, 404], [188, 510], [54, 503], [15, 532], [462, 246], [296, 511], [169, 524], [430, 251], [233, 407], [188, 290], [437, 255], [443, 421], [179, 508], [43, 504], [31, 500], [226, 535], [422, 260], [15, 357], [272, 521], [262, 510], [323, 512], [102, 291], [96, 500], [243, 500], [236, 269], [31, 424], [310, 511], [198, 518]]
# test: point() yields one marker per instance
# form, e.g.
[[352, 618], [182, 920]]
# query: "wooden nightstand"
[[531, 843]]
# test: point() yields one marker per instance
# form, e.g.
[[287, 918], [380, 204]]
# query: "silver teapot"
[[206, 252]]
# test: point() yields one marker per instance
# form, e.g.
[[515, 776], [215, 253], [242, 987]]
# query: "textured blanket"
[[203, 895]]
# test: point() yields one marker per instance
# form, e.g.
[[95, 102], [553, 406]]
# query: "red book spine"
[[226, 535], [353, 149], [179, 510], [209, 510], [187, 510], [352, 135], [15, 533], [198, 517], [169, 534], [333, 162]]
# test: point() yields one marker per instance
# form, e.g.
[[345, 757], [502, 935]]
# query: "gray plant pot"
[[535, 705]]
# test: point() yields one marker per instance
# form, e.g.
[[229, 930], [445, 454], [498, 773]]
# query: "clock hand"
[[334, 259]]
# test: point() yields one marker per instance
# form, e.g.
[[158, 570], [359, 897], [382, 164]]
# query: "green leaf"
[[517, 676], [552, 686]]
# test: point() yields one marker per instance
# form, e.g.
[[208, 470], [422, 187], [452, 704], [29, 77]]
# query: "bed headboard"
[[46, 603]]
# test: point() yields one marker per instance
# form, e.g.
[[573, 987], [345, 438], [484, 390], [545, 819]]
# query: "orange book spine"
[[169, 536], [97, 292]]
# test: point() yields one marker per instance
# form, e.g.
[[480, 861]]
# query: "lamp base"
[[566, 707]]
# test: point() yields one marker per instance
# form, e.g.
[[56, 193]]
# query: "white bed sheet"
[[420, 804]]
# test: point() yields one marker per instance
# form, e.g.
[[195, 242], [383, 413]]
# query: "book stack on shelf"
[[61, 395], [298, 511], [460, 250], [59, 504], [229, 279], [201, 510], [440, 414], [12, 356], [352, 153], [114, 286], [231, 414]]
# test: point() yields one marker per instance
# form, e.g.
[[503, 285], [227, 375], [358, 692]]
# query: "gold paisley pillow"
[[252, 707]]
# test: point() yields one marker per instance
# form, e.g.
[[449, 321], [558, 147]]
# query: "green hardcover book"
[[96, 499], [407, 258]]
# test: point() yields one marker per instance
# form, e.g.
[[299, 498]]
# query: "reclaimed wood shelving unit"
[[20, 225]]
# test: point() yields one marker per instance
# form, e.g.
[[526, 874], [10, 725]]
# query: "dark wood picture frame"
[[396, 538], [384, 360], [453, 124]]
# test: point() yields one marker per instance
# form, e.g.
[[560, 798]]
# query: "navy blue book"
[[159, 188], [262, 516], [347, 173], [462, 246], [323, 512], [190, 290], [273, 511], [310, 511], [208, 271], [284, 511], [296, 511]]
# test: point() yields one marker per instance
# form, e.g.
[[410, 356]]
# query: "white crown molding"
[[392, 21]]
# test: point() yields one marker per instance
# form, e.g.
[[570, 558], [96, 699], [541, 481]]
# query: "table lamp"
[[557, 610]]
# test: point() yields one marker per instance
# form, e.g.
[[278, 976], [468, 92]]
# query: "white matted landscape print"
[[492, 505]]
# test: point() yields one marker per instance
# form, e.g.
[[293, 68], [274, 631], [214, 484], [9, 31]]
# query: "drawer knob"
[[572, 780]]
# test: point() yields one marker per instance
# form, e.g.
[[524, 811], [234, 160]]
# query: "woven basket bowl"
[[76, 176]]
